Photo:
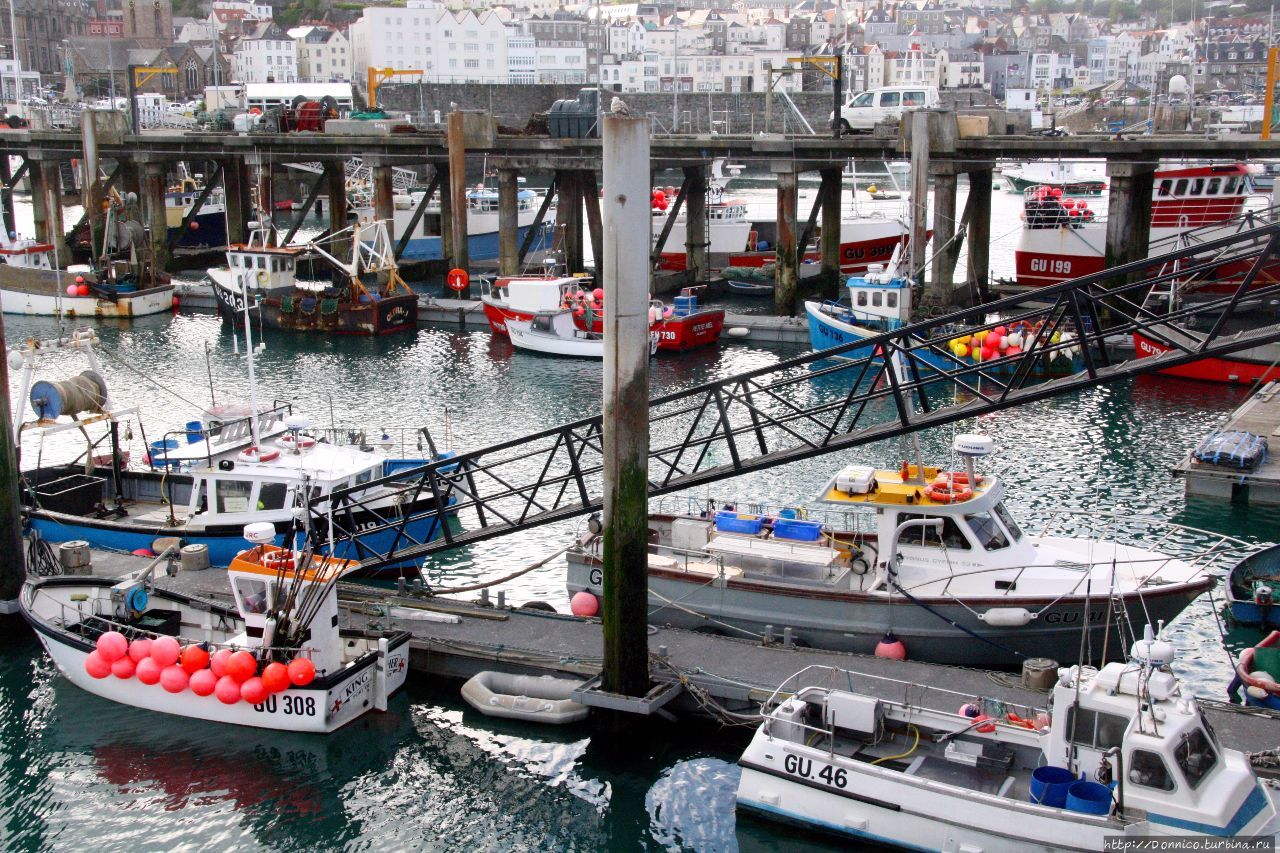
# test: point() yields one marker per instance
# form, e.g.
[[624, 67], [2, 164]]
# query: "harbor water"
[[77, 771]]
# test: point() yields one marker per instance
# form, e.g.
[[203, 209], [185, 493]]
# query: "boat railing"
[[220, 437], [69, 616], [844, 521], [886, 688]]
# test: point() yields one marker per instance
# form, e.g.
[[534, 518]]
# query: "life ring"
[[948, 492], [258, 454], [291, 442], [1022, 326], [1014, 720], [263, 278], [960, 477], [279, 561]]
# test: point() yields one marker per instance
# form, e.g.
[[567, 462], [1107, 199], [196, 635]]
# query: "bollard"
[[401, 586], [768, 635], [484, 598], [502, 598], [787, 641]]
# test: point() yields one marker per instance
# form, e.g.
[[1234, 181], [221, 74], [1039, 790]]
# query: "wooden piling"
[[979, 235], [944, 229], [6, 196], [13, 568], [696, 222], [1128, 211], [384, 207], [625, 273], [787, 275], [153, 189], [829, 242], [508, 222], [573, 245], [919, 190], [235, 182], [46, 206], [335, 177], [457, 250]]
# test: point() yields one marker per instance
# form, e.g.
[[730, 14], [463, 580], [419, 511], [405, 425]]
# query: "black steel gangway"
[[832, 399]]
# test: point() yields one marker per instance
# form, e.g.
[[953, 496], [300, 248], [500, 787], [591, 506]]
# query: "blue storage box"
[[731, 522], [801, 531], [685, 305]]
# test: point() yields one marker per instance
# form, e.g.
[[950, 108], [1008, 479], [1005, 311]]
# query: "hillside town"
[[79, 51]]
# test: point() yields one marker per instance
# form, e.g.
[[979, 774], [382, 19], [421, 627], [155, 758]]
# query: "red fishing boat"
[[863, 241], [1062, 238]]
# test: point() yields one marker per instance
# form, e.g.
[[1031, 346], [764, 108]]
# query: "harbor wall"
[[734, 112]]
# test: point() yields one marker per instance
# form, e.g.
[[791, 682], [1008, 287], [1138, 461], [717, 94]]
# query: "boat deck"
[[736, 673], [1259, 415]]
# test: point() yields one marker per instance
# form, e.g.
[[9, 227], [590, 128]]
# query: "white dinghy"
[[535, 699]]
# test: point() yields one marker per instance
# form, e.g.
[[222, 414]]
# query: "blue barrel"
[[1089, 798], [1049, 785], [195, 431], [163, 445]]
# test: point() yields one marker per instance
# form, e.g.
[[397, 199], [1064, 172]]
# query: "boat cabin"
[[26, 253], [534, 295], [262, 265], [879, 299]]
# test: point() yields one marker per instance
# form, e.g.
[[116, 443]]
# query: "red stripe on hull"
[[854, 256], [1228, 370], [1040, 269]]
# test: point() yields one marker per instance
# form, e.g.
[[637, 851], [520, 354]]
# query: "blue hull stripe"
[[791, 817], [1249, 809], [480, 247]]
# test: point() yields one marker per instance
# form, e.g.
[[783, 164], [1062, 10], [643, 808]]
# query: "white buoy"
[[738, 332]]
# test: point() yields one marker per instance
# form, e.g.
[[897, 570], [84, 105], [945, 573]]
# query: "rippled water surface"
[[79, 772]]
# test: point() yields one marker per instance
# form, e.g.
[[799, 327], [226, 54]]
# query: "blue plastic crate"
[[685, 305], [801, 531], [732, 522]]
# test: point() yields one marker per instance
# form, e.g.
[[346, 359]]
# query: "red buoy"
[[275, 677], [96, 665], [123, 667], [301, 671], [891, 647], [194, 658], [227, 690], [148, 671], [203, 682], [165, 651], [218, 663], [254, 691], [241, 666]]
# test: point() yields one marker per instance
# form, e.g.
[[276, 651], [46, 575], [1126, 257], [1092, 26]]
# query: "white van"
[[866, 110]]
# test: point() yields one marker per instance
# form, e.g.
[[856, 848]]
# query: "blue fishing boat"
[[1251, 589], [1257, 679]]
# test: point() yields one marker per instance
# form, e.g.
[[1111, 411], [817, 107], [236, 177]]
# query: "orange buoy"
[[891, 647]]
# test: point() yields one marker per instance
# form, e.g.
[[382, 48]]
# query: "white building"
[[448, 47], [324, 55], [522, 58], [257, 11], [1052, 71], [626, 38], [266, 54], [197, 30], [561, 64]]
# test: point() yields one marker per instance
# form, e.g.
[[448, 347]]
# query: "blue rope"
[[954, 624]]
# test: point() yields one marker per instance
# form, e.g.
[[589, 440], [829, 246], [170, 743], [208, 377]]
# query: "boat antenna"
[[248, 350], [208, 369]]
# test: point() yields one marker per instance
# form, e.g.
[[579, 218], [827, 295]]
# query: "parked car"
[[866, 110]]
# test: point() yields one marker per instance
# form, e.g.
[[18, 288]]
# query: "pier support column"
[[235, 183], [264, 181], [384, 206], [46, 206], [1128, 211], [944, 229], [153, 187], [829, 242], [6, 196], [625, 268], [13, 568], [573, 236], [695, 205], [508, 223], [456, 139], [979, 236], [919, 190], [335, 179], [787, 275]]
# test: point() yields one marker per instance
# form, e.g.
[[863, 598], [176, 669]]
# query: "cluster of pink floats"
[[231, 676], [582, 301], [79, 288]]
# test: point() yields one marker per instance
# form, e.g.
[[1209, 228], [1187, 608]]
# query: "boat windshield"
[[987, 531], [1007, 520], [1195, 756], [952, 535]]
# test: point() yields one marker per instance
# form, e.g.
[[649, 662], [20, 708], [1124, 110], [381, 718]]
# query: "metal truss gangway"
[[360, 179], [833, 400]]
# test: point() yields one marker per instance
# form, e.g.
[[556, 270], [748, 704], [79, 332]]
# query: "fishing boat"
[[425, 242], [558, 333], [1257, 678], [207, 227], [371, 299], [864, 240], [1072, 178], [1061, 238], [276, 660], [1123, 752], [880, 301], [1251, 589], [202, 482], [124, 283], [930, 557], [728, 227], [680, 326]]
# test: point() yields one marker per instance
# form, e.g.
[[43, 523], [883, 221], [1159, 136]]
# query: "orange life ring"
[[301, 442], [258, 454], [278, 560], [948, 493], [961, 477], [1014, 720]]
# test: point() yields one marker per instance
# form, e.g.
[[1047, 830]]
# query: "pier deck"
[[736, 673], [1260, 415]]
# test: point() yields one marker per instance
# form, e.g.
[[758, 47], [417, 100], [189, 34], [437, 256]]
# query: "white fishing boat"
[[1122, 753], [556, 333], [927, 559], [276, 660]]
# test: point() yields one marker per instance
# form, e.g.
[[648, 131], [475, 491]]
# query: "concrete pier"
[[787, 277], [1260, 415], [943, 268], [1128, 210]]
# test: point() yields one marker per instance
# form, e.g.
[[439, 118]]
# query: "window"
[[1147, 769], [272, 495], [1180, 188], [1197, 186], [862, 299], [986, 531], [863, 100], [253, 593], [1008, 522], [913, 99], [877, 299], [890, 99], [1166, 186], [925, 537], [891, 300], [471, 63], [1195, 756], [1094, 728], [233, 495], [1230, 188], [1214, 185]]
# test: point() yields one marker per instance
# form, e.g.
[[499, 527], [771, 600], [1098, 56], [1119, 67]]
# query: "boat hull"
[[1237, 369], [43, 293], [527, 339], [1244, 607], [855, 255], [308, 313], [210, 231], [674, 333], [325, 706], [855, 622]]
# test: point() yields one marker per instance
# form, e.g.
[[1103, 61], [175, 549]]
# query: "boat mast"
[[248, 346]]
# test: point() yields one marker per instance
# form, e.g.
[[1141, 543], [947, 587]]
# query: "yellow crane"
[[377, 76]]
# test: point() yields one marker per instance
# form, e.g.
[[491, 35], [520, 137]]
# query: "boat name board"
[[290, 704], [803, 767]]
